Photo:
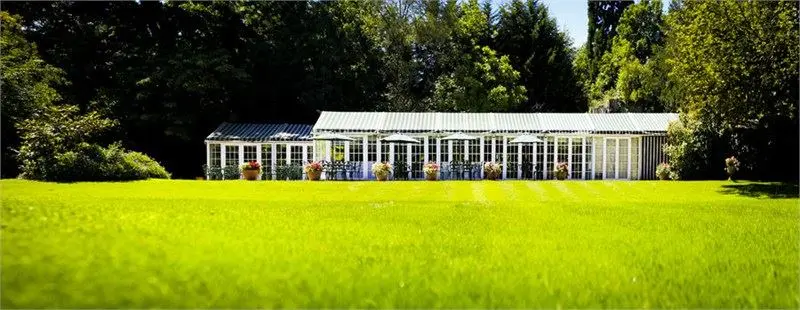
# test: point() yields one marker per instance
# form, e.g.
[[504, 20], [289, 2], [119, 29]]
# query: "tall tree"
[[743, 100], [542, 54], [604, 17], [28, 84]]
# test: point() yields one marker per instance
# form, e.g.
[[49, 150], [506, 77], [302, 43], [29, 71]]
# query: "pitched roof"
[[260, 132], [390, 122]]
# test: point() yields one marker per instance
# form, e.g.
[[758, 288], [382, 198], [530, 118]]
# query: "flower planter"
[[250, 175], [382, 176], [431, 177], [561, 176], [663, 177], [314, 175], [492, 176], [730, 170]]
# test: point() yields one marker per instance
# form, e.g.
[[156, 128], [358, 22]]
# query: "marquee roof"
[[390, 122]]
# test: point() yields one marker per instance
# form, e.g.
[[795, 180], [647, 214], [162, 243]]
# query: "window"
[[527, 161], [540, 164], [577, 158], [250, 153], [384, 152], [337, 151], [511, 161], [216, 155], [474, 151], [280, 154], [623, 158], [357, 150], [487, 148], [231, 155], [266, 160], [297, 154], [589, 157], [550, 157], [417, 160], [458, 150], [432, 149]]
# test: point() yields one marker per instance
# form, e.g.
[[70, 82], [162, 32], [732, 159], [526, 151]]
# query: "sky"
[[572, 17]]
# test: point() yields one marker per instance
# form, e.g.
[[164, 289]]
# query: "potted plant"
[[382, 171], [731, 166], [313, 170], [492, 170], [561, 170], [431, 171], [251, 170], [663, 171]]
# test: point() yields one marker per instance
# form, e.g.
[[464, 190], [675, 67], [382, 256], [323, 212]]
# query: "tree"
[[541, 53], [28, 85], [745, 91], [604, 17]]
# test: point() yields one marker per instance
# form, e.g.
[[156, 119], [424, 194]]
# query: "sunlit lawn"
[[237, 244]]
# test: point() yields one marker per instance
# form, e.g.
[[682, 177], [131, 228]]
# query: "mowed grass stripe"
[[470, 244]]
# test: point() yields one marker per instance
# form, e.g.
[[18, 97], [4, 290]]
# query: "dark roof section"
[[261, 132]]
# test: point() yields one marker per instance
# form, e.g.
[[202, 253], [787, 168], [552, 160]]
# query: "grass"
[[236, 244]]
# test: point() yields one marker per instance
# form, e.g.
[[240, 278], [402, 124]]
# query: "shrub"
[[731, 166], [91, 162], [400, 170], [663, 171], [213, 172], [230, 173]]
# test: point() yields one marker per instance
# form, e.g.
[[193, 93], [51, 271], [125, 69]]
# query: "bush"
[[91, 162], [663, 171], [230, 173], [213, 172]]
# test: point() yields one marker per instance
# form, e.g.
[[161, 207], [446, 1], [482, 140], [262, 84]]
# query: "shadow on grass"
[[767, 190]]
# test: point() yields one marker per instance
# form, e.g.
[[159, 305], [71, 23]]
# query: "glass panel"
[[417, 159], [550, 157], [611, 160], [337, 151], [372, 149], [527, 161], [487, 148], [513, 164], [384, 152], [216, 155], [356, 150], [431, 149], [231, 155], [266, 161], [250, 153], [589, 157], [474, 151], [458, 150], [280, 155], [577, 158], [540, 164], [297, 155], [623, 158]]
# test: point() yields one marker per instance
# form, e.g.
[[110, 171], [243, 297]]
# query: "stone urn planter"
[[250, 174], [382, 171], [314, 175], [492, 171], [382, 176], [431, 177]]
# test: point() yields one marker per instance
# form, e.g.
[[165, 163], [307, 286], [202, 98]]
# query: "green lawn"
[[237, 244]]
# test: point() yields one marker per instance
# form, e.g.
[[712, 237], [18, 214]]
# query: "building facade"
[[592, 145]]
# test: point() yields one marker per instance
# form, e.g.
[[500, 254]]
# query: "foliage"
[[289, 172], [542, 55], [313, 167], [236, 236], [213, 172], [252, 165], [604, 18], [431, 168], [561, 170], [381, 169], [28, 85], [231, 173], [744, 98], [492, 170], [663, 171]]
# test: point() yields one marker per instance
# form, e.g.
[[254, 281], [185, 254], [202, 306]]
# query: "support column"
[[482, 152], [505, 156], [439, 150], [223, 157], [328, 147], [594, 158], [630, 161], [425, 150], [583, 158], [569, 158], [555, 153], [208, 159], [535, 160], [605, 152], [494, 150], [258, 153], [391, 153], [408, 159], [378, 150], [544, 159], [364, 157], [616, 157], [289, 154], [241, 154], [274, 155], [519, 161], [304, 160], [347, 151], [450, 150]]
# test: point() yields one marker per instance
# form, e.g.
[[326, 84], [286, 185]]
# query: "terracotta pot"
[[314, 175], [492, 175], [250, 175], [431, 177]]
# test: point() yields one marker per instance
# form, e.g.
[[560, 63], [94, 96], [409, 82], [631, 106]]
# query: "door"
[[616, 158]]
